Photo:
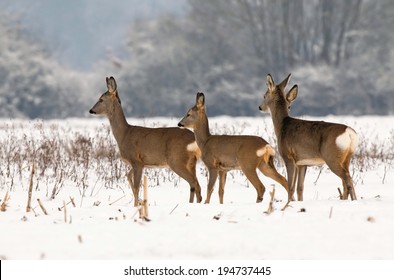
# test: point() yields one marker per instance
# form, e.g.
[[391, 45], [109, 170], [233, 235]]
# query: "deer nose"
[[92, 112], [180, 125]]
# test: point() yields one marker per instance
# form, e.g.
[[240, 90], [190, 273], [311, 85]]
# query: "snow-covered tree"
[[32, 83]]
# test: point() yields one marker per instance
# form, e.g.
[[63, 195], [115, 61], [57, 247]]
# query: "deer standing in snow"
[[304, 143], [222, 153], [149, 147]]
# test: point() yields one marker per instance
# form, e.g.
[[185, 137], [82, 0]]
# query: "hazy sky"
[[82, 32]]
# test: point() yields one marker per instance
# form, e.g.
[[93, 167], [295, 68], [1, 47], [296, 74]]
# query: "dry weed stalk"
[[72, 201], [271, 203], [89, 159], [340, 193], [143, 207], [42, 206], [3, 207], [173, 209], [113, 202], [30, 192], [145, 202], [286, 206], [65, 211]]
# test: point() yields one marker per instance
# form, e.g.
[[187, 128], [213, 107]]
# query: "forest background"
[[55, 55]]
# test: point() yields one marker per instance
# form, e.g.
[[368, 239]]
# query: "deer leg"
[[254, 179], [291, 169], [348, 178], [347, 182], [130, 175], [300, 182], [196, 184], [348, 188], [130, 178], [213, 174], [191, 167], [269, 170], [345, 193], [222, 182], [137, 170], [188, 173], [197, 189]]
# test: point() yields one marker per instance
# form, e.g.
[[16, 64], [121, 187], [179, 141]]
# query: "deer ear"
[[292, 94], [200, 100], [270, 83], [111, 84], [284, 83]]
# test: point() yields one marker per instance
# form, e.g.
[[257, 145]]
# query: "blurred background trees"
[[32, 83], [339, 52]]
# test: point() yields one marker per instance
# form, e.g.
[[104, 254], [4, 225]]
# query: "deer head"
[[275, 94], [197, 112], [105, 104]]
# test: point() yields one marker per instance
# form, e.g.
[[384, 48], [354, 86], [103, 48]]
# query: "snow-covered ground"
[[103, 227]]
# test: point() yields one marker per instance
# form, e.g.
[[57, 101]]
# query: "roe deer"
[[149, 147], [304, 143], [222, 153]]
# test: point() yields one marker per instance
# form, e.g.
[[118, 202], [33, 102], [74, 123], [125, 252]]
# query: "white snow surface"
[[320, 227]]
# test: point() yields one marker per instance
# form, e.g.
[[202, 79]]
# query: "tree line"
[[339, 53]]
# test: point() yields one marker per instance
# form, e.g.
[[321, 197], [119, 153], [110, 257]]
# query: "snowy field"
[[105, 225]]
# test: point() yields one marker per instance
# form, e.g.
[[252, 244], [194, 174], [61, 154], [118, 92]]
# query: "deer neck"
[[201, 131], [118, 123], [279, 114]]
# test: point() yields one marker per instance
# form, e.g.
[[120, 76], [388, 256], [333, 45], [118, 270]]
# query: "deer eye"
[[101, 100]]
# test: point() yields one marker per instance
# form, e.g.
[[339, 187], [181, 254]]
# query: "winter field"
[[77, 158]]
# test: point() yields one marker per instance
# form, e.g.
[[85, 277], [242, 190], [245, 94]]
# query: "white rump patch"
[[267, 149], [261, 152], [347, 140], [192, 147]]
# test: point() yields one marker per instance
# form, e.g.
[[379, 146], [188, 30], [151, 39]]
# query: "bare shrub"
[[88, 159]]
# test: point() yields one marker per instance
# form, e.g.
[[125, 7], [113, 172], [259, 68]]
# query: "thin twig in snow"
[[173, 209], [42, 206], [3, 207], [117, 200], [65, 211], [271, 204], [30, 192]]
